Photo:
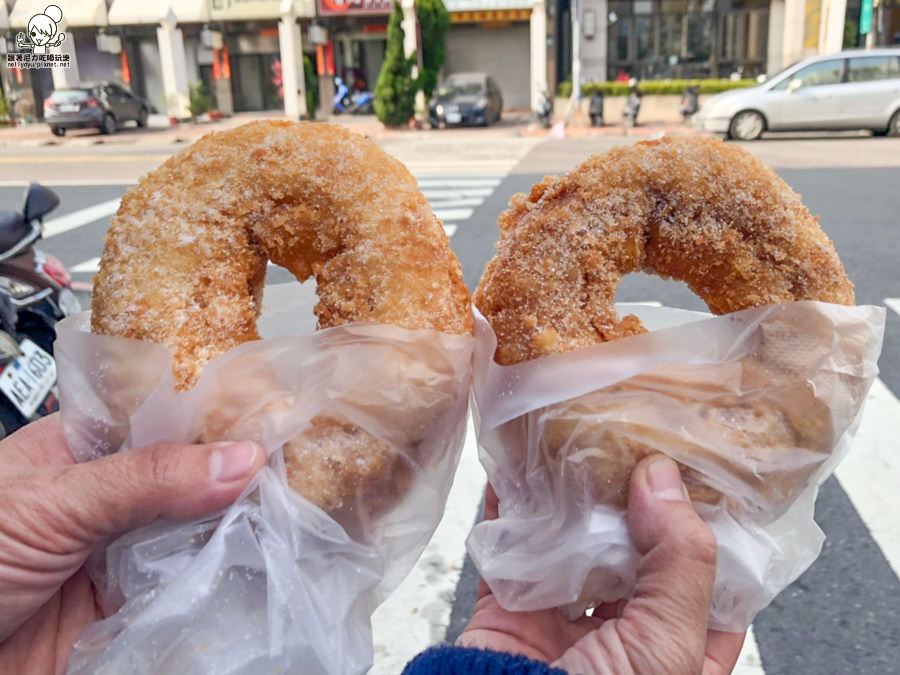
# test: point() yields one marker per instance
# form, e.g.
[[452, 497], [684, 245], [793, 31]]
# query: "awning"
[[4, 17], [249, 10], [482, 5], [142, 12], [83, 13], [24, 10]]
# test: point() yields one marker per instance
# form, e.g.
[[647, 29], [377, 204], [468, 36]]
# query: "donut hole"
[[288, 305], [649, 288]]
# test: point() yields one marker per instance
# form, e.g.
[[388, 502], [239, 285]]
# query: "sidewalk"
[[160, 132]]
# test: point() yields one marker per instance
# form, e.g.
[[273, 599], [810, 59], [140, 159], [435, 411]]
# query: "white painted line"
[[870, 474], [76, 219], [417, 614], [73, 182], [459, 182], [453, 203], [458, 194], [453, 214], [450, 229], [749, 662], [893, 303], [92, 265]]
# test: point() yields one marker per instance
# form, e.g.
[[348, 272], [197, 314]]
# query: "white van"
[[854, 89]]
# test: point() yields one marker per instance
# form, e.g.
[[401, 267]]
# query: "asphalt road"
[[843, 615]]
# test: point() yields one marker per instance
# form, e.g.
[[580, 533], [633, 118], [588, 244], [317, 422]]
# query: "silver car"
[[850, 90]]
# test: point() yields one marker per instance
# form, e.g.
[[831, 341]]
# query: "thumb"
[[81, 505], [675, 578]]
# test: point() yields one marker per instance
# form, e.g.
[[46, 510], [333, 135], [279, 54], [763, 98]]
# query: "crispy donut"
[[185, 258], [692, 209]]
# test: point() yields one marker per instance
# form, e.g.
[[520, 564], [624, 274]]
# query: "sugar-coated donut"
[[185, 259]]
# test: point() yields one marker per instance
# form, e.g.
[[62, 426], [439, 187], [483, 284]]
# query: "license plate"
[[453, 118], [27, 380], [68, 107]]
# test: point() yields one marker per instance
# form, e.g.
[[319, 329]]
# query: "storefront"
[[357, 33]]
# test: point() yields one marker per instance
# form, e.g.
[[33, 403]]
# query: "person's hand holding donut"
[[53, 512], [662, 629]]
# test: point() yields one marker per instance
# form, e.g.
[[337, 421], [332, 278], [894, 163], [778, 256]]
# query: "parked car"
[[853, 89], [105, 106], [466, 98]]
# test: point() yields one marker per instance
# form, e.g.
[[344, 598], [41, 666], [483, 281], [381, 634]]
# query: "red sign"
[[338, 7]]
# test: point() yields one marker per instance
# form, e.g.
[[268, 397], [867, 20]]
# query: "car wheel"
[[894, 125], [747, 126], [57, 131], [142, 118], [109, 124]]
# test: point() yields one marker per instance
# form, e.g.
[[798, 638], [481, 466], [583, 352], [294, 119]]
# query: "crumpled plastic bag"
[[759, 406], [272, 584]]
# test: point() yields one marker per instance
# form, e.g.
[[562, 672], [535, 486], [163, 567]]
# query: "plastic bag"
[[759, 406], [273, 584]]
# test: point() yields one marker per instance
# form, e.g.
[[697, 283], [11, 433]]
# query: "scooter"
[[35, 293], [689, 102], [362, 103], [595, 109], [632, 105], [341, 100], [544, 112]]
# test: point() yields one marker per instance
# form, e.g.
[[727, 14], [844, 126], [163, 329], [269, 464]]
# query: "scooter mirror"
[[39, 201]]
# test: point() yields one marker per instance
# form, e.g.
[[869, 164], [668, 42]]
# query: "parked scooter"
[[595, 109], [689, 102], [362, 103], [341, 100], [632, 105], [544, 112]]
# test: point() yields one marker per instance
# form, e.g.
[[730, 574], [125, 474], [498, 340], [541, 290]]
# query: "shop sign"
[[338, 7], [865, 17]]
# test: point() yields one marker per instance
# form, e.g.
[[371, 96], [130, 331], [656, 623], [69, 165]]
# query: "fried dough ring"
[[185, 259], [696, 210]]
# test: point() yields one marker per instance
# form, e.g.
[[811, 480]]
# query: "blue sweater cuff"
[[467, 661]]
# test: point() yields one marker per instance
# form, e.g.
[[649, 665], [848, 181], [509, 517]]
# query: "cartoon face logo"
[[42, 29]]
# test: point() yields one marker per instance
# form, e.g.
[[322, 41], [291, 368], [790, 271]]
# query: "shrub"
[[395, 93], [655, 87], [434, 20], [312, 87], [199, 100]]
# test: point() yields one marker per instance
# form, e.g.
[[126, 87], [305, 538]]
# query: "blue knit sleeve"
[[466, 661]]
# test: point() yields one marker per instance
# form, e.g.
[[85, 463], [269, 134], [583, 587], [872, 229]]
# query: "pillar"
[[794, 24], [293, 82], [775, 43], [411, 43], [66, 77], [174, 70], [831, 37], [538, 27]]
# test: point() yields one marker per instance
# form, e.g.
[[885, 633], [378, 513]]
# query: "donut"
[[696, 210], [185, 257]]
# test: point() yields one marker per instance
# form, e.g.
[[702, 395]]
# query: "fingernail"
[[232, 461], [664, 479]]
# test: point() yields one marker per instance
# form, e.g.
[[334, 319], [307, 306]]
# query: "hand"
[[53, 512], [661, 629]]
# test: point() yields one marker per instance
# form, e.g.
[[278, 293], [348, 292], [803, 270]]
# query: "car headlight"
[[439, 109]]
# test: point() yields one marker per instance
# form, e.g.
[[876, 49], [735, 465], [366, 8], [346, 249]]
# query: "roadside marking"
[[749, 661], [417, 614], [450, 230], [893, 303], [453, 214], [76, 219], [460, 182], [97, 159], [461, 193], [65, 182], [870, 473], [453, 203], [92, 265]]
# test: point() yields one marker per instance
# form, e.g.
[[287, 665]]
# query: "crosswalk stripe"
[[450, 229], [76, 219], [749, 661], [870, 473], [91, 265], [453, 203], [460, 182], [893, 303], [460, 193], [416, 615], [454, 214]]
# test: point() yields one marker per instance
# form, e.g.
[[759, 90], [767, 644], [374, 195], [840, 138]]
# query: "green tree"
[[434, 21], [199, 100], [312, 86], [395, 92]]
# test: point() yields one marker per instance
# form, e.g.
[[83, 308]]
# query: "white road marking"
[[453, 203], [870, 473], [893, 303], [461, 193], [418, 612], [749, 662], [453, 214], [459, 182], [450, 229], [76, 219], [74, 182], [88, 266]]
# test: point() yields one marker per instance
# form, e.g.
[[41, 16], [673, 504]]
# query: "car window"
[[868, 68], [109, 91], [817, 74], [68, 95], [463, 88]]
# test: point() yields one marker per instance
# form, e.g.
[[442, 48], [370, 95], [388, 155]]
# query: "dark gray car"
[[466, 98], [104, 106]]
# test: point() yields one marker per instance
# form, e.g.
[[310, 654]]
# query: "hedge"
[[654, 87]]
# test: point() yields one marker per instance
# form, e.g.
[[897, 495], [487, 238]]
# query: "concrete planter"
[[653, 108]]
